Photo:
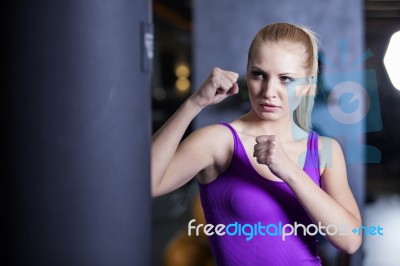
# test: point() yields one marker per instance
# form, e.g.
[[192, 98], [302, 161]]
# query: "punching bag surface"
[[76, 124]]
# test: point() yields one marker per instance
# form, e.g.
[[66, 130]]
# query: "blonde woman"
[[264, 170]]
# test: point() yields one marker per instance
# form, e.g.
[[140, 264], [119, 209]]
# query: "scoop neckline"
[[251, 165]]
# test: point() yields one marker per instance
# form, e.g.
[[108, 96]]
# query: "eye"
[[257, 74], [286, 79]]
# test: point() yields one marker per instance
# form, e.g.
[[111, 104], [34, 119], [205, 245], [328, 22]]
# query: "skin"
[[272, 141]]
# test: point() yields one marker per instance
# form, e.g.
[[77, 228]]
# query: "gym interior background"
[[195, 36], [83, 90]]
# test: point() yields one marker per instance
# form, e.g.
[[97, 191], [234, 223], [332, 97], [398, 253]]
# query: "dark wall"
[[76, 125]]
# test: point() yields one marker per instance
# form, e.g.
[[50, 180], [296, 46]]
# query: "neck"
[[285, 128]]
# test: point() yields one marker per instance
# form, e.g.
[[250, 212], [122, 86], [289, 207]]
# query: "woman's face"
[[276, 79]]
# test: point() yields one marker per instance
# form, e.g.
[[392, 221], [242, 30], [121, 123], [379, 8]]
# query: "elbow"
[[354, 240], [155, 192], [348, 243], [352, 249], [158, 190], [155, 188], [352, 246]]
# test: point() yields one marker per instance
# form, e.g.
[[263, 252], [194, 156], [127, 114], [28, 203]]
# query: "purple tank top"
[[242, 197]]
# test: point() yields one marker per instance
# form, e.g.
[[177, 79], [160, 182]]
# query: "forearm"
[[322, 208], [166, 140]]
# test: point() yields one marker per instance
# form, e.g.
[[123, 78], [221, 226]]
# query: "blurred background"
[[193, 36], [86, 83]]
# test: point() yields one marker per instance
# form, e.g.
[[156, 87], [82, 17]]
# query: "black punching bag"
[[76, 132]]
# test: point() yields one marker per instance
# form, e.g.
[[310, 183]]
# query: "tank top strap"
[[312, 158], [238, 149], [234, 133]]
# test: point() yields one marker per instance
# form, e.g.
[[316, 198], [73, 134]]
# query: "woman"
[[266, 166]]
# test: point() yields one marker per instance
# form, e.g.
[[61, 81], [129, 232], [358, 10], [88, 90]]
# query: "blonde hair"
[[285, 32]]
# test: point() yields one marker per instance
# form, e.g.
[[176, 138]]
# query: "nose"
[[269, 89]]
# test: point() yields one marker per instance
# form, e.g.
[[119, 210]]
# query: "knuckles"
[[267, 138], [267, 160], [273, 143], [215, 71]]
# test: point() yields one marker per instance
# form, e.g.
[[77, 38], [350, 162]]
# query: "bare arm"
[[331, 204], [173, 164]]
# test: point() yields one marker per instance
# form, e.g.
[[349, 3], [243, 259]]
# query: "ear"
[[311, 86]]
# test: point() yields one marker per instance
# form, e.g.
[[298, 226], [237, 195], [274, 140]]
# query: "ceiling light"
[[392, 60]]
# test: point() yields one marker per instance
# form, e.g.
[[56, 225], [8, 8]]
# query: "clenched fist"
[[269, 151], [218, 86]]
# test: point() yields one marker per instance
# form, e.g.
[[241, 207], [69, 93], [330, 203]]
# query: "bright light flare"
[[392, 60]]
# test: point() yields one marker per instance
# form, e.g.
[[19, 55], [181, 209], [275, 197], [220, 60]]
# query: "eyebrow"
[[288, 73], [257, 68]]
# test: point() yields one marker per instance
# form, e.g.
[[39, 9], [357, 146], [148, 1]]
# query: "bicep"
[[334, 178]]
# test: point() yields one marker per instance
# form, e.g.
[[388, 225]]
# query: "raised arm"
[[174, 164]]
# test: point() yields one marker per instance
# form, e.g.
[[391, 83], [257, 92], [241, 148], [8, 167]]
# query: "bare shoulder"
[[330, 152], [212, 134], [327, 143], [216, 139]]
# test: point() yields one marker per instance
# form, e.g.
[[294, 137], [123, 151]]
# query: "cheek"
[[294, 97], [253, 89]]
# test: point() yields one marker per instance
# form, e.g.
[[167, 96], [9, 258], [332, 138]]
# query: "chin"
[[269, 116]]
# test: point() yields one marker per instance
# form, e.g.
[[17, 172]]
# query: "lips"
[[269, 107]]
